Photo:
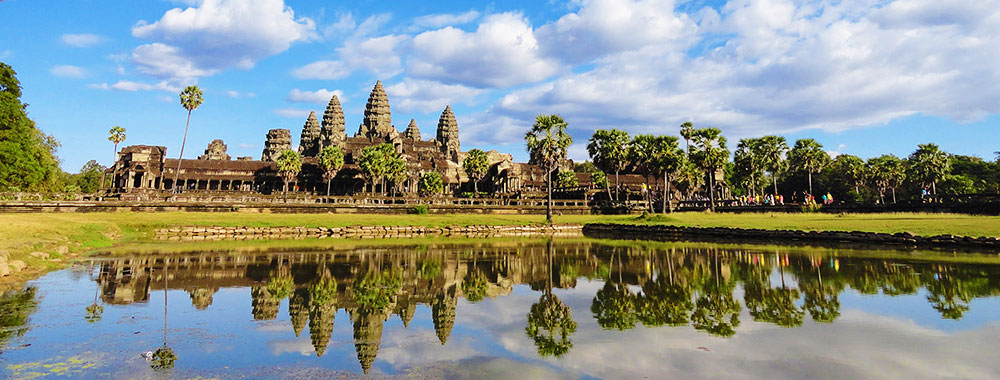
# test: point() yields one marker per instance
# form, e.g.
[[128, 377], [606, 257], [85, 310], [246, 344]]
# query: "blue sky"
[[863, 77]]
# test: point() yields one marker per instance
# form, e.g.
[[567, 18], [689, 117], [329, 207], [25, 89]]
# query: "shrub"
[[420, 210]]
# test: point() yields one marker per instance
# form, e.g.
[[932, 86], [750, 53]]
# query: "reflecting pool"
[[568, 308]]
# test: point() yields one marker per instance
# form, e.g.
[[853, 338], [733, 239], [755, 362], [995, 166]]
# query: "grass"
[[82, 233], [915, 223]]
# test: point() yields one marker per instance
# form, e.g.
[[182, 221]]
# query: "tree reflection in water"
[[550, 322], [655, 285]]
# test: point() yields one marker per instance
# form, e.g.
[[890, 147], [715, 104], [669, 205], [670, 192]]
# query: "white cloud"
[[321, 96], [6, 54], [380, 56], [502, 52], [429, 96], [445, 19], [293, 113], [601, 27], [216, 35], [781, 68], [81, 40], [68, 71], [126, 85]]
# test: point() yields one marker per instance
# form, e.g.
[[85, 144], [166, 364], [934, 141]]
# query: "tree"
[[289, 166], [710, 154], [476, 164], [190, 100], [690, 177], [547, 142], [90, 173], [381, 163], [430, 184], [808, 155], [642, 156], [659, 155], [330, 160], [687, 132], [609, 150], [886, 171], [116, 135], [928, 165], [549, 322], [773, 149], [27, 156], [565, 178], [749, 162], [850, 169], [669, 160]]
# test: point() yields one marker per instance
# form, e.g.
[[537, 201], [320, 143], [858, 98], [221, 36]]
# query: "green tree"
[[190, 100], [669, 161], [850, 169], [430, 184], [381, 163], [808, 155], [749, 162], [547, 142], [549, 322], [609, 150], [476, 164], [886, 171], [687, 132], [773, 149], [330, 160], [27, 156], [664, 303], [710, 154], [928, 165], [474, 286], [565, 178], [289, 165], [90, 173], [116, 135]]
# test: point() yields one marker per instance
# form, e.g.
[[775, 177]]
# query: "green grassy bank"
[[67, 236]]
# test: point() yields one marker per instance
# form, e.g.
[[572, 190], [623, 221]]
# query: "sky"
[[862, 77]]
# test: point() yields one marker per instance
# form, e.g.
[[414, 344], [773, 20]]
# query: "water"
[[575, 308]]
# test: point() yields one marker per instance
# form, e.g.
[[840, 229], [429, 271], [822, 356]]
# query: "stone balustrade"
[[359, 232]]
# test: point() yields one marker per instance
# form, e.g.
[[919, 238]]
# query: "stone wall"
[[358, 232], [535, 208], [906, 239]]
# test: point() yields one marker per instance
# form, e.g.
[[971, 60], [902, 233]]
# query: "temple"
[[144, 169]]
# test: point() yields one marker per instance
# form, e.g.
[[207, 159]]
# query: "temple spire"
[[412, 132], [447, 134], [377, 125], [332, 133], [309, 139]]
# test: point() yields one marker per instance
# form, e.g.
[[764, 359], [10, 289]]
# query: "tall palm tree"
[[749, 161], [773, 156], [117, 136], [609, 150], [710, 153], [808, 155], [687, 132], [289, 165], [547, 142], [330, 159], [190, 100], [928, 165]]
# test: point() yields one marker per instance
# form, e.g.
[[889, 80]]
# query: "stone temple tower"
[[332, 133], [412, 132], [278, 140], [309, 140], [447, 134], [377, 125]]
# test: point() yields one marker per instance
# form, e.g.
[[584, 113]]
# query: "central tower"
[[377, 125]]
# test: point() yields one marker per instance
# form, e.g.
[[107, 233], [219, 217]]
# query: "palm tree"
[[547, 142], [808, 155], [928, 165], [687, 132], [550, 322], [886, 171], [710, 154], [609, 151], [476, 164], [773, 156], [330, 159], [669, 161], [851, 169], [750, 162], [190, 100], [117, 136], [289, 166]]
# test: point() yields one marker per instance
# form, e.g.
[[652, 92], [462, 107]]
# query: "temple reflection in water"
[[661, 284]]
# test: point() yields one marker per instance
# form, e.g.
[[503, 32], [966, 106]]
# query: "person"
[[829, 198]]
